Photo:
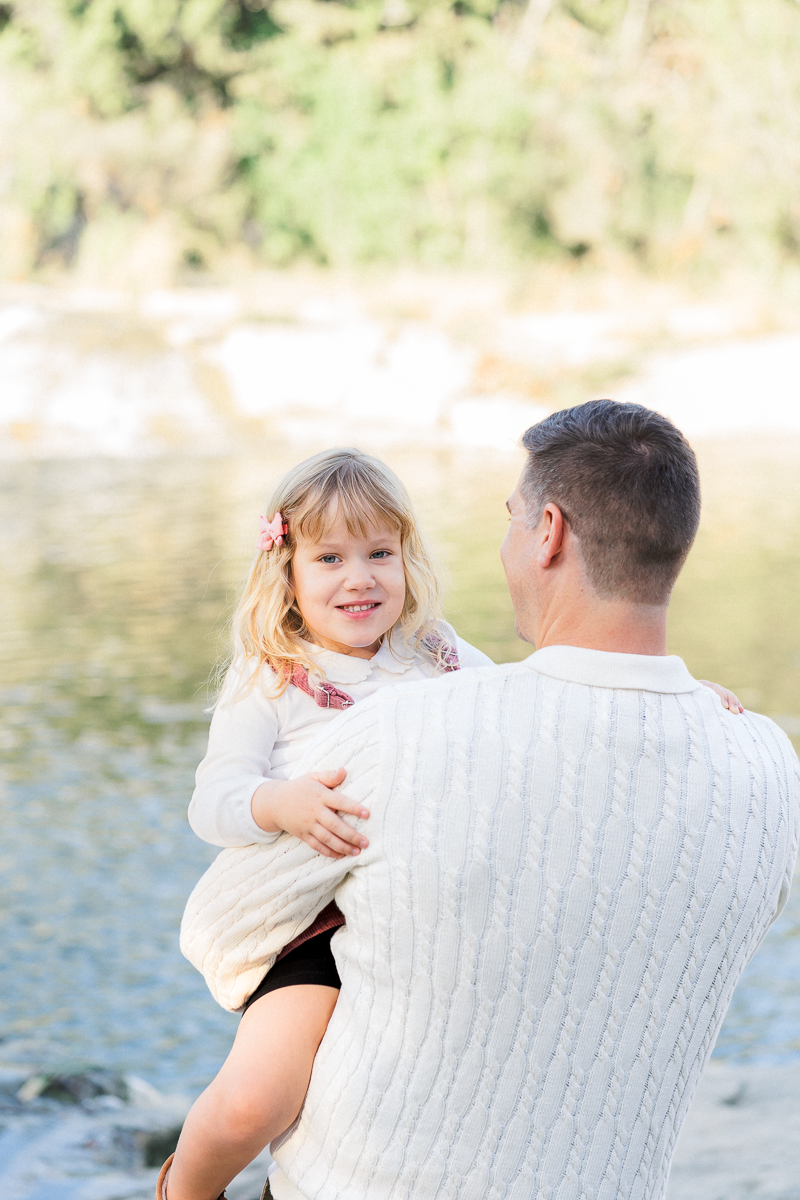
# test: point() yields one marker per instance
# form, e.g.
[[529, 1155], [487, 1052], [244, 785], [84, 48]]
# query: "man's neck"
[[615, 626]]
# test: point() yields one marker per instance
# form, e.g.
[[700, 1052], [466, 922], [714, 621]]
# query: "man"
[[571, 860]]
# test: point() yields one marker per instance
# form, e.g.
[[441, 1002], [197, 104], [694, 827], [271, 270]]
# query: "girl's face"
[[350, 590]]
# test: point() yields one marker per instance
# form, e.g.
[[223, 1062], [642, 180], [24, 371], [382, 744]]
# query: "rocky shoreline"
[[83, 1133], [87, 1133], [741, 1140]]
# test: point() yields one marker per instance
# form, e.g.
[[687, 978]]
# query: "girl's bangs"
[[363, 512]]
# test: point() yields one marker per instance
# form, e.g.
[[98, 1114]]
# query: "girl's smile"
[[350, 589]]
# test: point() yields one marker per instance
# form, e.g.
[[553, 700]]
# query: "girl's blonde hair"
[[267, 625]]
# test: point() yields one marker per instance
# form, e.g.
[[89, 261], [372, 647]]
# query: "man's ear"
[[552, 523]]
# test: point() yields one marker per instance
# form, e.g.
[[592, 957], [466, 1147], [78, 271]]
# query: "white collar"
[[602, 668], [395, 658]]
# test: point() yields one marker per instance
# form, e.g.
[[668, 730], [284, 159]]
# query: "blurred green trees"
[[141, 136]]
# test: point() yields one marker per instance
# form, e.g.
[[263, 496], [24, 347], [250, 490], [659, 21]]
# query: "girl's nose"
[[359, 578]]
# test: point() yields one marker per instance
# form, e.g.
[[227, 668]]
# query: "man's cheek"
[[506, 553]]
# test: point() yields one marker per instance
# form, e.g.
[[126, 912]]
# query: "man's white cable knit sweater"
[[571, 860]]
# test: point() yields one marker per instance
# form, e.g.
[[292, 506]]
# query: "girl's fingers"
[[330, 779], [345, 804], [728, 699], [320, 847], [339, 828], [336, 846]]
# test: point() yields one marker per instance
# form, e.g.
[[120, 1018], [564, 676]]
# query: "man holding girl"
[[520, 926]]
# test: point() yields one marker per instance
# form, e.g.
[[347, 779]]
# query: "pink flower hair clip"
[[272, 532]]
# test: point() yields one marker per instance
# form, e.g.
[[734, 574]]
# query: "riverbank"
[[94, 1135], [448, 362]]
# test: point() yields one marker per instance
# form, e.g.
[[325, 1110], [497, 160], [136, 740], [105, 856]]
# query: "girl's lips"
[[357, 612]]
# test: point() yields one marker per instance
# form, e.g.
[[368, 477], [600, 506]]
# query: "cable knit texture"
[[256, 737], [563, 884]]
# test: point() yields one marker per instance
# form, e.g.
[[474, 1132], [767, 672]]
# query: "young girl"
[[343, 598]]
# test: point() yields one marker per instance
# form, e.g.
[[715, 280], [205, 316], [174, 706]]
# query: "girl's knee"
[[245, 1116]]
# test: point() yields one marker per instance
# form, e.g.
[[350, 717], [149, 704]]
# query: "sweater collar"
[[601, 668], [394, 656]]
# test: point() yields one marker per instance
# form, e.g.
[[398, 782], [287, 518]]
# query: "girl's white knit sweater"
[[571, 860]]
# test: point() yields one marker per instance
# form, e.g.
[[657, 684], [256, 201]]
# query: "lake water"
[[117, 576]]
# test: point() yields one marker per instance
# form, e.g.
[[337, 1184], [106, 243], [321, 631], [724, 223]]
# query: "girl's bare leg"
[[256, 1095]]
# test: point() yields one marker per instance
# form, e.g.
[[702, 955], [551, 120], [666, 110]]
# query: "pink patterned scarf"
[[328, 696]]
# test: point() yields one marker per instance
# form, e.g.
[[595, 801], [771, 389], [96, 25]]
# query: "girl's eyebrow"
[[328, 547]]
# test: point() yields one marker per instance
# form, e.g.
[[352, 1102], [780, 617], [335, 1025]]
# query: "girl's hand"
[[729, 700], [307, 808]]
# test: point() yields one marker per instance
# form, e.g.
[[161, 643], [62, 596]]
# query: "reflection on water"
[[116, 580]]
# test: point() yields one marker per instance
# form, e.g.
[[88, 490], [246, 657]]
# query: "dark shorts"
[[310, 962]]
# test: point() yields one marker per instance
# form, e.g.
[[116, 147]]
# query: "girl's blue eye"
[[380, 554], [329, 558]]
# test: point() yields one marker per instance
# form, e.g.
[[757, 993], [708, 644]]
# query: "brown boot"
[[161, 1193], [161, 1189]]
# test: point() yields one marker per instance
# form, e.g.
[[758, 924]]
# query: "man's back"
[[571, 861]]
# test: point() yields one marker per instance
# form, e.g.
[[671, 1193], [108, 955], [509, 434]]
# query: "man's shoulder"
[[401, 710], [754, 729], [478, 678], [752, 744], [389, 704]]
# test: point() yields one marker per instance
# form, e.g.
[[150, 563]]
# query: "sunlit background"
[[232, 234]]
